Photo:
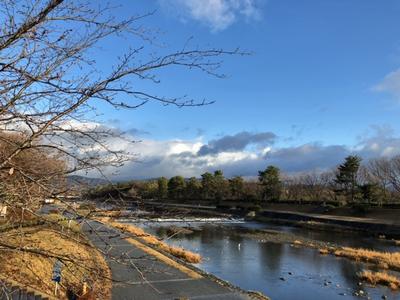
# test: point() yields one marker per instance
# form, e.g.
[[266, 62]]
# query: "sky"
[[322, 82]]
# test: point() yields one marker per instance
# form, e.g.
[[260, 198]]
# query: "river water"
[[280, 271]]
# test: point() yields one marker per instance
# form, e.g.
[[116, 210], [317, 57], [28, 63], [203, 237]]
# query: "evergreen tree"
[[207, 186], [221, 186], [271, 183], [370, 193], [236, 186], [346, 176], [149, 190], [193, 188], [162, 190], [176, 187]]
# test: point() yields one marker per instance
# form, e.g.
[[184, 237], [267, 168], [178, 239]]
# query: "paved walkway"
[[139, 275], [334, 217], [385, 227]]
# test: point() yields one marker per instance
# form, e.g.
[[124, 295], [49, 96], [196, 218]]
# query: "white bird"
[[239, 246]]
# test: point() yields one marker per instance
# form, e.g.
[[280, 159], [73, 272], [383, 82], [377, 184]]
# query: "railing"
[[13, 290]]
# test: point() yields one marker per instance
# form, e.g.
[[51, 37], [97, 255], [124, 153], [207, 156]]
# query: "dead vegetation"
[[323, 251], [154, 241], [390, 260], [382, 278], [175, 230], [110, 213], [82, 265]]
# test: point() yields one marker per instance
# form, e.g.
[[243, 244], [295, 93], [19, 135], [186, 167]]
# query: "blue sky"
[[322, 74]]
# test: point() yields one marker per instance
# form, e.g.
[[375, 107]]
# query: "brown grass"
[[389, 260], [323, 251], [61, 221], [382, 278], [108, 213], [162, 257], [186, 255], [35, 270]]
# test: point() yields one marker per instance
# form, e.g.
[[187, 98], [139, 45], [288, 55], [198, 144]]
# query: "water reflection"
[[281, 271]]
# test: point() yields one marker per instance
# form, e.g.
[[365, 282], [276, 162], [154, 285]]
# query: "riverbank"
[[378, 227], [139, 233], [281, 262], [387, 214], [377, 221], [382, 260], [140, 269]]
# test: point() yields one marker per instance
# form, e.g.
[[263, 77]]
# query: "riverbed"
[[279, 270]]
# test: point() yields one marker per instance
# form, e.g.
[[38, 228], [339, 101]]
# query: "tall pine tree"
[[347, 175]]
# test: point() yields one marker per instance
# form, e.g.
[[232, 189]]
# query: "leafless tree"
[[315, 185], [294, 189], [380, 170], [394, 172], [51, 81], [385, 172]]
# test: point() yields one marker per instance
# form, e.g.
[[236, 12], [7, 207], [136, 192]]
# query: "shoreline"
[[179, 261], [385, 262], [307, 216], [329, 223]]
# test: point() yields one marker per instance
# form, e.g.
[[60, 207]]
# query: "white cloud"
[[178, 147], [216, 14], [390, 84], [171, 157]]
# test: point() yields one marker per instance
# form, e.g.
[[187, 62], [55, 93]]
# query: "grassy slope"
[[35, 270]]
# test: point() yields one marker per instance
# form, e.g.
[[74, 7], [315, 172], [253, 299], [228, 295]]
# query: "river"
[[280, 271]]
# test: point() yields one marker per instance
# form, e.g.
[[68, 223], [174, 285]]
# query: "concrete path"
[[140, 275], [385, 227], [327, 217]]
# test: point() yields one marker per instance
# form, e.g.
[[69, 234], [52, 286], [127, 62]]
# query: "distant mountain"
[[74, 180]]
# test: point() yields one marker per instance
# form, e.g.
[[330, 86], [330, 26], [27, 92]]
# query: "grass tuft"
[[382, 278], [386, 260], [323, 251]]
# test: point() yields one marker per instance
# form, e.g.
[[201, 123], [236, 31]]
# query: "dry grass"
[[160, 256], [380, 278], [152, 240], [323, 251], [57, 219], [81, 262], [389, 260], [109, 213]]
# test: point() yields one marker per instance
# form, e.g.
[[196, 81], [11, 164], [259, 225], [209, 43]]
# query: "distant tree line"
[[376, 182]]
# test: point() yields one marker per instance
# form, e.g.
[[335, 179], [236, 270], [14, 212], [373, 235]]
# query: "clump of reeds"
[[389, 260], [323, 251], [382, 278]]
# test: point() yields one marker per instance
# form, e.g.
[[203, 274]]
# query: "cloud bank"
[[243, 153], [237, 142]]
